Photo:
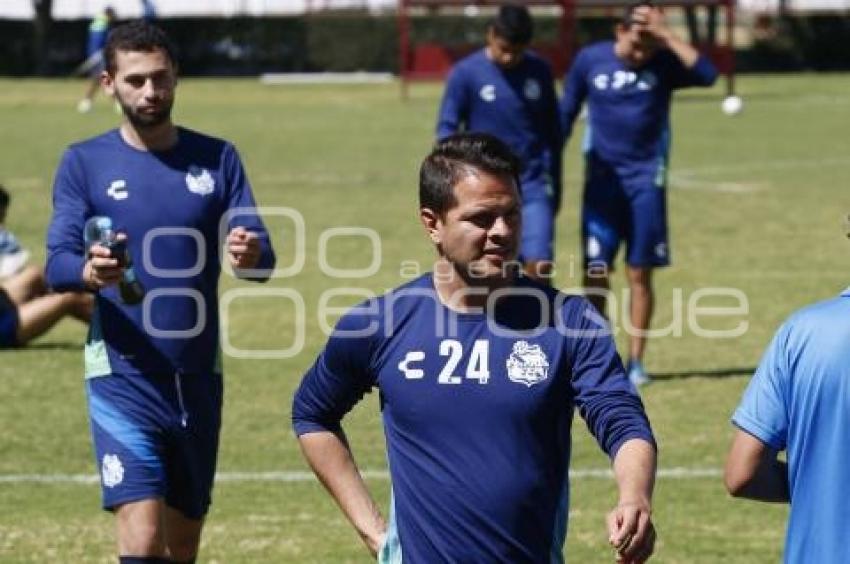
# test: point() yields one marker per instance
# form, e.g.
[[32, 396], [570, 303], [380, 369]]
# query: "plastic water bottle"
[[99, 230]]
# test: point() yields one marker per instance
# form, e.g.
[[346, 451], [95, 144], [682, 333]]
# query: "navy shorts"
[[156, 437], [628, 206], [538, 222], [8, 322]]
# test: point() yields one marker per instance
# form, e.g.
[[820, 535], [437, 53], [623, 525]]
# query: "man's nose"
[[501, 228]]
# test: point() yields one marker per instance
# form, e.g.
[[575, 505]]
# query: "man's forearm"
[[754, 472], [331, 460], [770, 483], [634, 470], [686, 52]]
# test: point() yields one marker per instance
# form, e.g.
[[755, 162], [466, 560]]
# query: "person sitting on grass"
[[28, 310]]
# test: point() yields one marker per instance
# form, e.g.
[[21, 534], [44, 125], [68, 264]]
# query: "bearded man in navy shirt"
[[479, 371], [628, 85], [153, 370]]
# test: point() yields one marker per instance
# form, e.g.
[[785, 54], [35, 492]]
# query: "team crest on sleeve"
[[527, 364], [531, 89], [200, 181], [112, 471]]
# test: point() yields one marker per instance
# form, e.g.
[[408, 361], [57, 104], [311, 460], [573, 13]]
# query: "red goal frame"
[[432, 61]]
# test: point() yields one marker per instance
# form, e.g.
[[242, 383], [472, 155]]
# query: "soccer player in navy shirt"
[[98, 32], [508, 91], [153, 370], [628, 85], [798, 401], [479, 371]]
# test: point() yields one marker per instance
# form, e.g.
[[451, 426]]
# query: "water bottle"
[[99, 230]]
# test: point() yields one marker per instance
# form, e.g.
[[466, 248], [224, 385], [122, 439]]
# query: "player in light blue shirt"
[[799, 402], [508, 91]]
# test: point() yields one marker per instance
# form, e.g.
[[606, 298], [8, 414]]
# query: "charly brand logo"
[[488, 93], [527, 364], [118, 190], [200, 181]]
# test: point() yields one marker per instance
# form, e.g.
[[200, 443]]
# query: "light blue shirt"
[[799, 401]]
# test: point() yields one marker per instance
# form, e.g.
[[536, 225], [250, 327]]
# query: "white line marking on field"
[[676, 473], [688, 181]]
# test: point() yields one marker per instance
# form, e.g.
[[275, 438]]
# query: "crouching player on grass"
[[479, 371]]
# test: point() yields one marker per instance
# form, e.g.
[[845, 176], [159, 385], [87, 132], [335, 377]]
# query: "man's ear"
[[107, 82], [432, 223]]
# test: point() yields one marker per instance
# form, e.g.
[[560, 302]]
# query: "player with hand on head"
[[628, 85], [508, 91], [174, 198], [479, 371]]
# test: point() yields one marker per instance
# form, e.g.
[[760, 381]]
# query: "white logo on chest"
[[527, 364], [409, 372], [112, 470], [488, 93], [200, 181], [118, 190]]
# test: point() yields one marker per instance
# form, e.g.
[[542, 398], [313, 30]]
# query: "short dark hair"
[[137, 35], [630, 9], [513, 23], [450, 162], [4, 197]]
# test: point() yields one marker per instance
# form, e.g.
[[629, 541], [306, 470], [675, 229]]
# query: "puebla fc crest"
[[112, 471], [532, 89], [527, 364], [199, 181]]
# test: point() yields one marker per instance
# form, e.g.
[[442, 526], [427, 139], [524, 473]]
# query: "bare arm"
[[752, 470], [630, 527], [330, 458]]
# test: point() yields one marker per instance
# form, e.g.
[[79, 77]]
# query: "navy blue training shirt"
[[170, 202], [628, 109], [517, 105], [477, 411]]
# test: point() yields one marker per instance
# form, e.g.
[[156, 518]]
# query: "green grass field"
[[757, 204]]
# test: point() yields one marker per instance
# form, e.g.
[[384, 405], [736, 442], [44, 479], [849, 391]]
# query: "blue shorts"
[[156, 437], [622, 206], [538, 229], [8, 322]]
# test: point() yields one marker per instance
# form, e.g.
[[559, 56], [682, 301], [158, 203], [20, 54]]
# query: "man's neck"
[[464, 294], [160, 137]]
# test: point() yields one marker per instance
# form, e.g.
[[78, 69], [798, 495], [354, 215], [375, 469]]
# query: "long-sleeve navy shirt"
[[628, 108], [517, 105], [477, 411], [175, 207]]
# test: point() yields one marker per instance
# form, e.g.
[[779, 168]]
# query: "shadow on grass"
[[713, 373]]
